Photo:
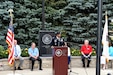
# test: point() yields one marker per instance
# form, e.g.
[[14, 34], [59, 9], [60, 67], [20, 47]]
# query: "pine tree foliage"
[[76, 19], [82, 21]]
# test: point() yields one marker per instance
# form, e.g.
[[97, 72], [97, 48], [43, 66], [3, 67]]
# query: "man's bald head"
[[15, 42], [86, 42]]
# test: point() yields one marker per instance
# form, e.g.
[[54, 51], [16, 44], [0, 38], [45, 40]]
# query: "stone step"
[[47, 63]]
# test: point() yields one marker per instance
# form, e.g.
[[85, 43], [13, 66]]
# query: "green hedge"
[[75, 52], [25, 52], [4, 53]]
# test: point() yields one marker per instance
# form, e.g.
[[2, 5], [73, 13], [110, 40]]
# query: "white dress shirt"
[[18, 50], [69, 52]]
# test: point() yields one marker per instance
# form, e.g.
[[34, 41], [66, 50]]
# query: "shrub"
[[1, 48], [75, 52], [25, 52], [3, 52]]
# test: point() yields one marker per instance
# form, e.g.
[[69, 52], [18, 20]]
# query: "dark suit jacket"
[[57, 42]]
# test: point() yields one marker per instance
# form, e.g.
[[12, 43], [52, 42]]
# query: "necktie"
[[58, 41], [16, 54]]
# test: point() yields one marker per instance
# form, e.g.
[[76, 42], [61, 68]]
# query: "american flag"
[[10, 42]]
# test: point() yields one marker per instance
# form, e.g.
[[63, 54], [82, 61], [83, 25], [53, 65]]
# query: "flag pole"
[[43, 14], [12, 62], [11, 23], [100, 3]]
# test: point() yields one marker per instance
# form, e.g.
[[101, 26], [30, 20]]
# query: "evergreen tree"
[[76, 18], [4, 19], [80, 20]]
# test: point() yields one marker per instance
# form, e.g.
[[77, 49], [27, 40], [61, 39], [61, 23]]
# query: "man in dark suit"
[[57, 40]]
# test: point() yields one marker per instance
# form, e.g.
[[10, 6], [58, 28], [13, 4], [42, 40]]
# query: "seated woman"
[[111, 52], [104, 59]]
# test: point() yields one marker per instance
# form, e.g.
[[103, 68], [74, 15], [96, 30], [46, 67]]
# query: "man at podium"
[[57, 40], [60, 55]]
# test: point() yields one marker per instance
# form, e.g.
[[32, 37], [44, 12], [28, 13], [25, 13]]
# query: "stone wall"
[[76, 62], [47, 63]]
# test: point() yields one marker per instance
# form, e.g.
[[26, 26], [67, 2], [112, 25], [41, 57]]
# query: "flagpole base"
[[14, 74]]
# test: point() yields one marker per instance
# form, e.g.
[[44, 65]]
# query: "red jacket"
[[86, 50]]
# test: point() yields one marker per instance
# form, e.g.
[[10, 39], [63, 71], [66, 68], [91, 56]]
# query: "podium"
[[60, 60]]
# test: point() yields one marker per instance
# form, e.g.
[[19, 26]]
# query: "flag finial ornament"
[[106, 15], [11, 16], [106, 12], [10, 11]]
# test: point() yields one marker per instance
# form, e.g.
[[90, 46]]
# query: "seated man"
[[86, 51], [34, 55], [17, 55]]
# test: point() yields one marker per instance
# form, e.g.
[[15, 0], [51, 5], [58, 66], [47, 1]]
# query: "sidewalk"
[[48, 71]]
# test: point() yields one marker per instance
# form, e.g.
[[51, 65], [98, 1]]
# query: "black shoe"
[[83, 65], [15, 68], [87, 65], [40, 69], [31, 69], [19, 68]]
